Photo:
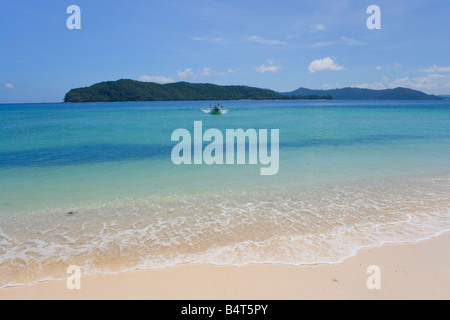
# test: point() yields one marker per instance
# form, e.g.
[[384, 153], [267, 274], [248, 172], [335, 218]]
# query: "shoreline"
[[417, 270]]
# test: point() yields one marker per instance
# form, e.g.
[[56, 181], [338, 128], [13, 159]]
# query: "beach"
[[408, 271]]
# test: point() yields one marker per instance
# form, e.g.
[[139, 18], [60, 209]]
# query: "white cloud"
[[224, 73], [435, 68], [160, 79], [292, 36], [269, 68], [198, 38], [184, 74], [346, 40], [389, 66], [266, 41], [9, 86], [432, 83], [352, 41], [326, 64], [322, 44], [383, 84], [209, 72], [206, 72], [318, 27], [213, 40]]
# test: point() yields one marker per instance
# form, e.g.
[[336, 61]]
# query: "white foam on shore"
[[326, 224]]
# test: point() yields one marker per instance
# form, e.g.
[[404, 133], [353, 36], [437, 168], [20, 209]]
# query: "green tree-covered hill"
[[131, 90]]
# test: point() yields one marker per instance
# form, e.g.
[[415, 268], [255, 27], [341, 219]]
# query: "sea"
[[94, 185]]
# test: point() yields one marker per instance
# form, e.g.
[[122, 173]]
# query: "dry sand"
[[408, 271]]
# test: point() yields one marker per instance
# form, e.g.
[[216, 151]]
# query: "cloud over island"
[[159, 79], [325, 64]]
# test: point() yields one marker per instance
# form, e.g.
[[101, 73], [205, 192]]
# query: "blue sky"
[[280, 45]]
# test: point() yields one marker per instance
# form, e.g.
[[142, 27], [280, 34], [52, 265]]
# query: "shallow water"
[[352, 174]]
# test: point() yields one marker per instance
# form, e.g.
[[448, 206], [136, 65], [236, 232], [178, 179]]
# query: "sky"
[[276, 44]]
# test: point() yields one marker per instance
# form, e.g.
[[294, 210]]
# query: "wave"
[[324, 224]]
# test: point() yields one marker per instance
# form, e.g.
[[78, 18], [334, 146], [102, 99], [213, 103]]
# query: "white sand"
[[408, 271]]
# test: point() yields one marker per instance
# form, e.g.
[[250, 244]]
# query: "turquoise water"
[[351, 174]]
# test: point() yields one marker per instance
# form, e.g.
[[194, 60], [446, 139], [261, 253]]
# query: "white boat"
[[217, 109]]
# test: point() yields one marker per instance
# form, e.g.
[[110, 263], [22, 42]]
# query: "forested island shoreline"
[[132, 90]]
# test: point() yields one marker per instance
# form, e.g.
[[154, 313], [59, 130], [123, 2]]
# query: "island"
[[132, 90], [351, 93]]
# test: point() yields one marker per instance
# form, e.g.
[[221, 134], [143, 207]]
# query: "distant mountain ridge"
[[132, 90], [349, 93]]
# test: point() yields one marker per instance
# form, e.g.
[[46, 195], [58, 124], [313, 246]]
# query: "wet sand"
[[407, 271]]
